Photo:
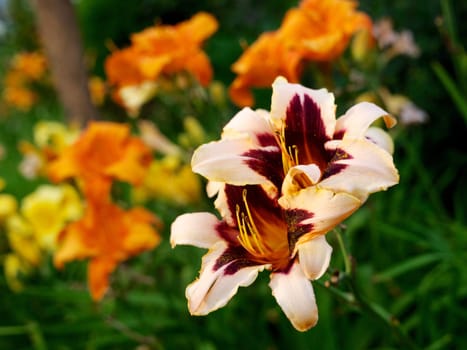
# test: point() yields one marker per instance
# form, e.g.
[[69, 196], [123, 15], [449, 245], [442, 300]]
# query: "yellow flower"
[[180, 185], [14, 268], [97, 89], [194, 134], [48, 210], [50, 138], [8, 206], [22, 240], [53, 137]]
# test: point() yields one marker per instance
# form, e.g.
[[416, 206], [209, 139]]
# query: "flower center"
[[265, 238]]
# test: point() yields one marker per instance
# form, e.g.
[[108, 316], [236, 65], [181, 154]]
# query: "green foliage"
[[458, 92]]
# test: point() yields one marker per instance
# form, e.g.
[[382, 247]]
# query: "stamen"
[[249, 235], [289, 154]]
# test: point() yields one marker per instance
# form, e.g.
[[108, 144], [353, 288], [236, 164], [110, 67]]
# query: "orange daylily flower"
[[107, 235], [322, 29], [317, 30], [31, 64], [19, 97], [260, 64], [24, 69], [104, 151], [164, 49]]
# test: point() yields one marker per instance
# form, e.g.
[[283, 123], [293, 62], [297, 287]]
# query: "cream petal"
[[381, 138], [315, 211], [314, 257], [282, 94], [215, 287], [213, 188], [222, 205], [300, 176], [368, 169], [355, 122], [196, 229], [247, 121], [294, 294], [225, 161]]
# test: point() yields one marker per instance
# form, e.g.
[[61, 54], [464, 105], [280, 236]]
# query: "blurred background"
[[409, 243]]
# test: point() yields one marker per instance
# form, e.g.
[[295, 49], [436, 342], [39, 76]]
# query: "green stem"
[[31, 328], [36, 336], [340, 241], [13, 330], [356, 298], [380, 313], [150, 341]]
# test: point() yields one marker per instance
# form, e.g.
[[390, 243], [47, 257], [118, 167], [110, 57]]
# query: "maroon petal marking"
[[235, 258], [305, 130], [339, 135], [266, 139], [333, 167], [295, 228], [227, 233], [266, 163]]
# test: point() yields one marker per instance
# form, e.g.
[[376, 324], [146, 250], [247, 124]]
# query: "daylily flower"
[[22, 240], [162, 49], [180, 186], [25, 68], [14, 268], [107, 235], [267, 58], [48, 209], [284, 179], [32, 65], [104, 151], [50, 138], [322, 29], [8, 206], [317, 30]]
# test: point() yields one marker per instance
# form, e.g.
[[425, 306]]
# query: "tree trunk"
[[61, 39]]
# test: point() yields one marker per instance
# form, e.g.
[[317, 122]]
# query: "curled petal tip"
[[389, 120], [280, 80]]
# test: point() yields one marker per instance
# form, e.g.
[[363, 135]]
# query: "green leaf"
[[451, 88], [407, 266]]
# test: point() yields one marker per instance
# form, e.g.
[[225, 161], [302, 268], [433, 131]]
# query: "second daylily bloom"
[[160, 50], [284, 179], [267, 58], [107, 235], [105, 151]]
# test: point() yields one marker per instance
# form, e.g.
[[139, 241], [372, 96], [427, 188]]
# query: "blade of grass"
[[451, 88], [406, 266]]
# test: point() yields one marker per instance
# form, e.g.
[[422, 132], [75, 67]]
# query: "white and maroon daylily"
[[283, 180]]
